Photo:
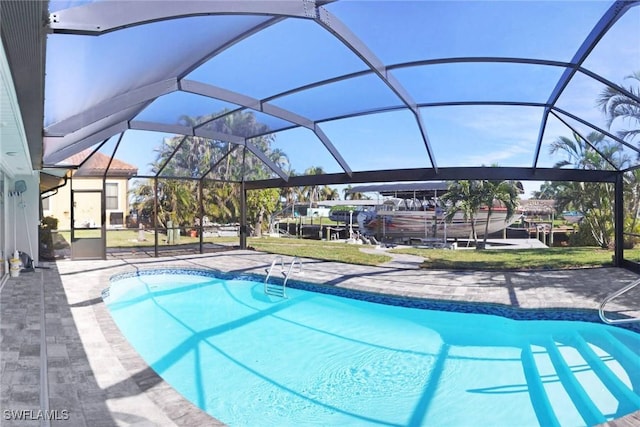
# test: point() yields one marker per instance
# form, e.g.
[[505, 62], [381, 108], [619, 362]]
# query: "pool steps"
[[581, 371], [279, 289], [540, 400], [629, 401], [588, 410]]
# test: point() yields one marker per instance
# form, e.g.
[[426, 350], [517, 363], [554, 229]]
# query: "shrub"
[[629, 242], [582, 237], [50, 222]]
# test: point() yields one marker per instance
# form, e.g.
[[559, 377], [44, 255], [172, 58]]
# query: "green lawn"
[[493, 259], [328, 251], [509, 259], [129, 238]]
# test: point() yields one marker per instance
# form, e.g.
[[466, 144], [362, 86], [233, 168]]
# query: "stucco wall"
[[60, 203]]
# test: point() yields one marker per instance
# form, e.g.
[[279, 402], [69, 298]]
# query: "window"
[[45, 204], [111, 196]]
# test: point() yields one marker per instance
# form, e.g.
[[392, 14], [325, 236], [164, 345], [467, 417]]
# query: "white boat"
[[401, 219], [572, 217]]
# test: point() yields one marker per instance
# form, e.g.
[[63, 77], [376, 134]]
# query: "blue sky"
[[460, 136]]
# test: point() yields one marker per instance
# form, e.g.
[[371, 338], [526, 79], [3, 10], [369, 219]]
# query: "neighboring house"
[[89, 177]]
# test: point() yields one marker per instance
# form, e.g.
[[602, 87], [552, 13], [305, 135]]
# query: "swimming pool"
[[322, 359]]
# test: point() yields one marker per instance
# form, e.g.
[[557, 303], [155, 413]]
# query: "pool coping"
[[180, 411], [176, 407]]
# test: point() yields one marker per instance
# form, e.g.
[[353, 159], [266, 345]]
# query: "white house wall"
[[19, 215]]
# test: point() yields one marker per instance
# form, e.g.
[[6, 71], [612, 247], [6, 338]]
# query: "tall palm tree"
[[312, 192], [619, 107], [196, 155]]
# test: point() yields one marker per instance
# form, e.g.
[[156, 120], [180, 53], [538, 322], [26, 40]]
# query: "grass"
[[493, 259], [524, 259], [129, 238], [307, 248], [317, 249]]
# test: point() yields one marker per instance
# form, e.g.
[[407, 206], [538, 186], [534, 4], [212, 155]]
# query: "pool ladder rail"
[[278, 289], [613, 295]]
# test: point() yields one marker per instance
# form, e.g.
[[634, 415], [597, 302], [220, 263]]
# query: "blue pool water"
[[249, 359]]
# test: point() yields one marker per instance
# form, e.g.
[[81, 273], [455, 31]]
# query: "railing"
[[288, 273], [273, 289], [613, 295], [270, 269]]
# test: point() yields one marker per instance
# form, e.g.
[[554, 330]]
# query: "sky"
[[272, 61]]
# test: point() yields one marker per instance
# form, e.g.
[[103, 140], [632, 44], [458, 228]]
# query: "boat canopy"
[[409, 190]]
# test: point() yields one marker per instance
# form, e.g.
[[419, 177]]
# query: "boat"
[[404, 219], [572, 217], [414, 211]]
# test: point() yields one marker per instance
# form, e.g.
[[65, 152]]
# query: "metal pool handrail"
[[286, 274], [270, 269], [613, 295]]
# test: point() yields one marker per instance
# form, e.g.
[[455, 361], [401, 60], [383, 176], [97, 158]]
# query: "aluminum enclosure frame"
[[29, 78]]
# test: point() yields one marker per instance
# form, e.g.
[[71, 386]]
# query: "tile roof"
[[97, 163]]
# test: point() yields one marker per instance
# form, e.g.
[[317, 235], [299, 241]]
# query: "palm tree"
[[280, 158], [220, 201], [619, 107], [329, 193], [312, 192], [546, 192], [594, 200], [579, 153], [349, 195], [502, 192], [463, 196], [177, 199], [469, 196], [632, 199]]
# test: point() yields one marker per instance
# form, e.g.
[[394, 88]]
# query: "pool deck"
[[60, 351]]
